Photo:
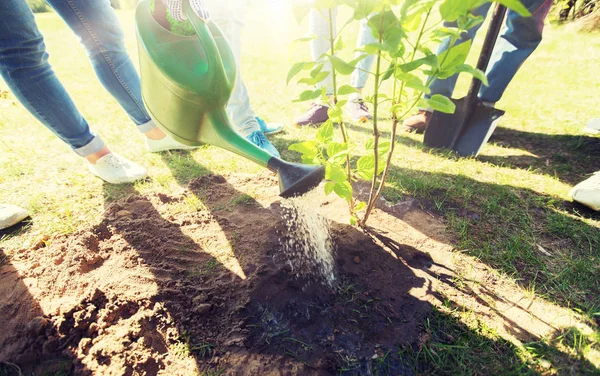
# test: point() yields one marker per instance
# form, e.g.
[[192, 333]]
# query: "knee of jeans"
[[26, 54], [100, 40]]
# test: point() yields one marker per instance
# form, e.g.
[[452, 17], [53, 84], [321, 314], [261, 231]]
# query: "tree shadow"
[[569, 157]]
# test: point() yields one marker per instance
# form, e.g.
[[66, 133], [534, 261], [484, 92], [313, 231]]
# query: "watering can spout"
[[186, 83]]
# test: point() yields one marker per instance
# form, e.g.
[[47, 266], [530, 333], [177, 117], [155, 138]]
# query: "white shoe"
[[10, 215], [115, 169], [593, 126], [166, 143], [588, 192]]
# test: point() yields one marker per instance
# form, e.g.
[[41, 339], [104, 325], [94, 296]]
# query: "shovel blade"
[[443, 129], [477, 131]]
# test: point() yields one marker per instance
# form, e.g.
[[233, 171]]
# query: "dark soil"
[[153, 290]]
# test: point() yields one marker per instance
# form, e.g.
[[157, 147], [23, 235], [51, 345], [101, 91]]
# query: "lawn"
[[506, 214]]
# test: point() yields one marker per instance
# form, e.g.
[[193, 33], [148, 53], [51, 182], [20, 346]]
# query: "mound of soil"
[[154, 289]]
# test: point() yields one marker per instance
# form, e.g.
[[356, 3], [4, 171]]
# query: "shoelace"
[[363, 106], [114, 161]]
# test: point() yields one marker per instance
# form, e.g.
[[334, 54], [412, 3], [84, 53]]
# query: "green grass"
[[498, 208]]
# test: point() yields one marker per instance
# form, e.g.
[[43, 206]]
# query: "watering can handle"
[[203, 32]]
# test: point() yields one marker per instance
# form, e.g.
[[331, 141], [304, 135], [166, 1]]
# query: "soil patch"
[[153, 289]]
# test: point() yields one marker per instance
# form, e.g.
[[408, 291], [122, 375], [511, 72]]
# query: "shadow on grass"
[[571, 158]]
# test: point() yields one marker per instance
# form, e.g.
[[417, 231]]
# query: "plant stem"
[[372, 191], [332, 39], [396, 121]]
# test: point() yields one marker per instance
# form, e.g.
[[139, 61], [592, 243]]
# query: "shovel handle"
[[486, 52]]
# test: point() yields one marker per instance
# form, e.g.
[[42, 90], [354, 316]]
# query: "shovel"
[[186, 83], [471, 125]]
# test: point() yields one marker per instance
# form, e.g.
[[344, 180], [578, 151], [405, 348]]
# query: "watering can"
[[186, 83]]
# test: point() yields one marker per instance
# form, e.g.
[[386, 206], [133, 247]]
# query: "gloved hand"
[[175, 7]]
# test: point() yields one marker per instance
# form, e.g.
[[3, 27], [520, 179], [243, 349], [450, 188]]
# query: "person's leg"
[[446, 86], [418, 123], [517, 41], [96, 25], [229, 16], [24, 67], [356, 107], [318, 26]]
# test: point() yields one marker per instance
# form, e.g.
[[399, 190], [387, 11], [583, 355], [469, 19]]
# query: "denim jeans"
[[229, 16], [319, 26], [25, 68], [517, 41]]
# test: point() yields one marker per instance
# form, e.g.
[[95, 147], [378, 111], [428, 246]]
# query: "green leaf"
[[339, 44], [366, 167], [335, 113], [370, 144], [442, 104], [335, 150], [325, 132], [335, 173], [297, 68], [329, 187], [347, 89], [314, 80], [455, 56], [360, 206], [309, 95], [477, 73], [430, 60], [383, 147], [308, 149], [353, 220], [344, 190], [517, 6], [341, 66], [450, 10]]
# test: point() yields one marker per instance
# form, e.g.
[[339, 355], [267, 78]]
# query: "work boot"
[[260, 140], [588, 192], [593, 127], [115, 169], [10, 215], [269, 128], [358, 111], [315, 115], [417, 123]]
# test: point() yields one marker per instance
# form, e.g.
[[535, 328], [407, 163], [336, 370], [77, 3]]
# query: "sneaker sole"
[[274, 132]]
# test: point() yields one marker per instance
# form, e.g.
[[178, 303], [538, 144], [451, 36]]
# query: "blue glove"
[[175, 7]]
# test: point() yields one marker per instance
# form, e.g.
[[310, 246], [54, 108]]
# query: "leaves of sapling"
[[442, 104], [309, 95], [335, 113], [363, 8], [325, 132], [335, 173], [339, 43], [297, 68], [477, 73], [314, 80], [337, 152], [329, 187], [341, 66], [308, 149], [360, 206], [344, 190], [365, 167], [517, 6], [347, 89], [430, 60], [455, 56]]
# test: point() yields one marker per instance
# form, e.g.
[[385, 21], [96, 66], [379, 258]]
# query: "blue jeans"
[[319, 26], [517, 41], [25, 68]]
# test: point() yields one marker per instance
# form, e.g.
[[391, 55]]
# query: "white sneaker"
[[115, 169], [10, 215], [593, 126], [588, 192], [166, 143]]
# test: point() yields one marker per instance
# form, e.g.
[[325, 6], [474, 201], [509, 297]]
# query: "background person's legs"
[[25, 68], [517, 41]]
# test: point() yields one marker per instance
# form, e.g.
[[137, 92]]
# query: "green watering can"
[[186, 83]]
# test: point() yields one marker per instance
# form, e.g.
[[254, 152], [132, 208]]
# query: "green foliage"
[[38, 6], [405, 36]]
